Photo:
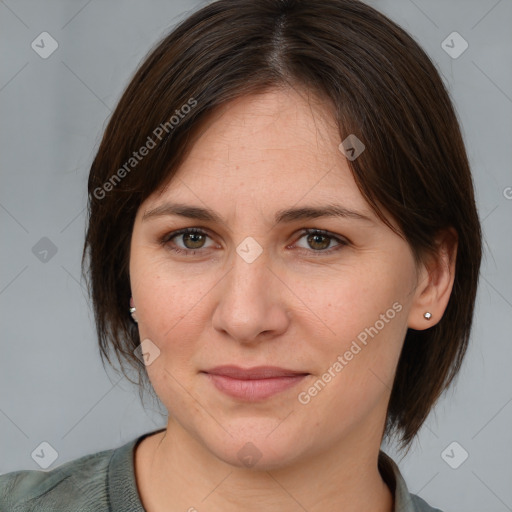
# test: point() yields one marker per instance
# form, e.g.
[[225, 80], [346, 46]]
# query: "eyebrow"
[[281, 216]]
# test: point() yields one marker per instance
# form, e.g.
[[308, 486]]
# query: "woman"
[[283, 241]]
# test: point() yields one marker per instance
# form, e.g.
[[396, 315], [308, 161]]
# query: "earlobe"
[[435, 286], [133, 310]]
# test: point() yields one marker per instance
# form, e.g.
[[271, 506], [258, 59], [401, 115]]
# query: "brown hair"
[[383, 88]]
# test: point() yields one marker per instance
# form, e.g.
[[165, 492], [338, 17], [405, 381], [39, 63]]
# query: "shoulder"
[[420, 505], [404, 500], [79, 485]]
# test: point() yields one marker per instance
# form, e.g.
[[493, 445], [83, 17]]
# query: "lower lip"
[[256, 389]]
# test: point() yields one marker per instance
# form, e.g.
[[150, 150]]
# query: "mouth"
[[253, 384]]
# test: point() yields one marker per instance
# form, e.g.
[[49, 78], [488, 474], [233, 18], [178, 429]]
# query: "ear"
[[435, 282]]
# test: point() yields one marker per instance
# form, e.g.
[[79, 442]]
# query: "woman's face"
[[252, 291]]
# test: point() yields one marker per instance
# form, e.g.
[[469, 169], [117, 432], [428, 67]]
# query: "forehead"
[[281, 122], [277, 147]]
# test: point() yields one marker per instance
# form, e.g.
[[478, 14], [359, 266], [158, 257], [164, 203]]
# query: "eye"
[[320, 240], [192, 238]]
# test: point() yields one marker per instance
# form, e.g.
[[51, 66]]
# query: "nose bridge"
[[248, 303], [249, 275]]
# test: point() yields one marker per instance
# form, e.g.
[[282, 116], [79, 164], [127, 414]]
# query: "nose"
[[251, 303]]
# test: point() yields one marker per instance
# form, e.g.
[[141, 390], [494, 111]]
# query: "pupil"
[[198, 239], [324, 245]]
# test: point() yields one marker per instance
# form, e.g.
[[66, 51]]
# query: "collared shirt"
[[105, 482]]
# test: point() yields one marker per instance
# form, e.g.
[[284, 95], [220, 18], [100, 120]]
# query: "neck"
[[175, 472]]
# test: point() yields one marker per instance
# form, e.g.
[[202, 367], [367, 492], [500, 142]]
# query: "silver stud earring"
[[428, 315], [133, 309]]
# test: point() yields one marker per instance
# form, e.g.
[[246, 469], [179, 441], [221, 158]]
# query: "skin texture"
[[299, 305]]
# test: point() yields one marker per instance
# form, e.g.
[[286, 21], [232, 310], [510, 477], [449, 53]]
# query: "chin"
[[255, 449], [253, 458]]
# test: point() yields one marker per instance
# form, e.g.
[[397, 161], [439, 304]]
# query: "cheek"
[[356, 375], [169, 315], [165, 298], [358, 342], [167, 309], [359, 302]]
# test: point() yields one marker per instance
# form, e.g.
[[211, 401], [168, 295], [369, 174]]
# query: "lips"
[[253, 384], [257, 372]]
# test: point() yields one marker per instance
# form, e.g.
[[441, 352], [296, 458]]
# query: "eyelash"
[[166, 239]]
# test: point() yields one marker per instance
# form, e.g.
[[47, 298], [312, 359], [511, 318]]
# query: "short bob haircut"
[[382, 87]]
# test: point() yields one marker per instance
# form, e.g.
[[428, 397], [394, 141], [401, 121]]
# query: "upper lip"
[[256, 372]]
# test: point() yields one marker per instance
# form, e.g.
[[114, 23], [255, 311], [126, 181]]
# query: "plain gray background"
[[53, 111]]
